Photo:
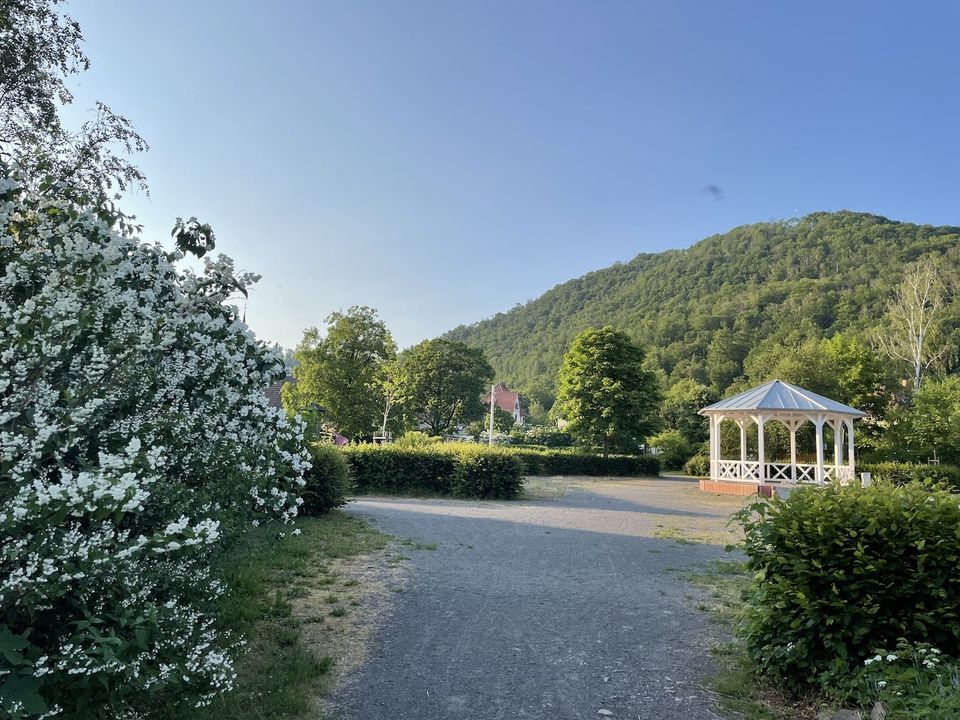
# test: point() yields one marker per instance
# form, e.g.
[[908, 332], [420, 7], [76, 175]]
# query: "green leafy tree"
[[340, 371], [930, 427], [673, 448], [503, 421], [444, 382], [41, 50], [913, 330], [725, 356], [605, 395], [391, 387], [840, 368], [681, 404]]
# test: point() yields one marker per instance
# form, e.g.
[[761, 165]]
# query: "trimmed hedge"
[[840, 571], [392, 470], [900, 473], [479, 471], [563, 462], [327, 480], [488, 474]]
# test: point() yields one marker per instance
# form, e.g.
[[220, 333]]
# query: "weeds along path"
[[572, 604]]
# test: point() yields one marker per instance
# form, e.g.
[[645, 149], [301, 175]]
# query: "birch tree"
[[912, 331]]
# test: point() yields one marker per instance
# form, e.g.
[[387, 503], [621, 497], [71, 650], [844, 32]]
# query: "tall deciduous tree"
[[930, 427], [605, 395], [840, 368], [445, 381], [912, 331], [339, 371], [681, 405], [40, 49]]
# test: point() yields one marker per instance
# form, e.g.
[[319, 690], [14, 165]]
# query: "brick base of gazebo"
[[735, 488]]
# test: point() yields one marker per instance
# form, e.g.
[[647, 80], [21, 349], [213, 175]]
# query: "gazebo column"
[[818, 423], [743, 446], [793, 450], [851, 463], [760, 420], [837, 426], [714, 447]]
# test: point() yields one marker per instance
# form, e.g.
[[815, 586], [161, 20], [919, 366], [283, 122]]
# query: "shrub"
[[488, 473], [698, 465], [416, 439], [135, 432], [568, 462], [841, 571], [327, 480], [900, 473], [391, 469], [674, 449], [547, 437]]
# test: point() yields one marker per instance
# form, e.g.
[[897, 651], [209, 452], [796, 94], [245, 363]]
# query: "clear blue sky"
[[442, 161]]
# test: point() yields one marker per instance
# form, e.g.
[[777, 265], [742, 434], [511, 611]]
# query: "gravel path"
[[572, 606]]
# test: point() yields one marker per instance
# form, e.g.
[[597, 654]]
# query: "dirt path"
[[572, 605]]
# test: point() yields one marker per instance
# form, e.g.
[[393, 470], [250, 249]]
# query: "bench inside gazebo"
[[791, 406]]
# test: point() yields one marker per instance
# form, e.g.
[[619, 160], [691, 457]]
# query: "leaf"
[[24, 690]]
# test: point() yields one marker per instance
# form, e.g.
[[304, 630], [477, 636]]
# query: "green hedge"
[[841, 571], [488, 474], [327, 480], [468, 470], [388, 469], [564, 462], [900, 473]]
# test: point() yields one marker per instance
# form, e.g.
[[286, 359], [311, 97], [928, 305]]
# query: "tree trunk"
[[606, 445]]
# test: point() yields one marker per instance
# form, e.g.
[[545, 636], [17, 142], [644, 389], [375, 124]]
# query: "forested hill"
[[699, 311]]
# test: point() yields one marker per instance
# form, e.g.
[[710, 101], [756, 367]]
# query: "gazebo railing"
[[749, 471]]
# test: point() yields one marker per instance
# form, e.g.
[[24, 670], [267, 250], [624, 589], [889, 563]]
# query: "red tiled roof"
[[505, 399], [273, 392]]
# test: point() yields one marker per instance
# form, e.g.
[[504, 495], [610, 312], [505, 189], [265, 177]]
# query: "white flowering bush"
[[134, 436]]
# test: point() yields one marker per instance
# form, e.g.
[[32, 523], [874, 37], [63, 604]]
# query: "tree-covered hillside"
[[699, 311]]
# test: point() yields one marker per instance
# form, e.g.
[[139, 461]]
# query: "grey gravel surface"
[[566, 607]]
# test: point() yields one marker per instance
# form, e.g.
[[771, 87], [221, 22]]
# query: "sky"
[[444, 160]]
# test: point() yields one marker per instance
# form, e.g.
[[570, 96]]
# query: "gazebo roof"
[[780, 398]]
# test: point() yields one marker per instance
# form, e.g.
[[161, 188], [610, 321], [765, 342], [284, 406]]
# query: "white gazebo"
[[791, 406]]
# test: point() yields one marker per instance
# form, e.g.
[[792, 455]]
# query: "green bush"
[[450, 469], [488, 473], [900, 473], [327, 480], [391, 469], [416, 439], [569, 462], [439, 469], [840, 571], [674, 449], [698, 465], [547, 437]]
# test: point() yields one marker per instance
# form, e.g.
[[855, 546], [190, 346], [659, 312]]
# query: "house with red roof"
[[507, 400]]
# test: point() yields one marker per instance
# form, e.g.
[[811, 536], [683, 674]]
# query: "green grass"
[[278, 678], [742, 692]]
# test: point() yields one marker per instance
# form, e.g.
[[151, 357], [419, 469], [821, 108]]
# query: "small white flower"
[[891, 657], [296, 531], [881, 684]]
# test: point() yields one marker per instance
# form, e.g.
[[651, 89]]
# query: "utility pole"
[[493, 398]]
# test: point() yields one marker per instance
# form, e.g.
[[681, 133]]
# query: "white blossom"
[[132, 417]]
